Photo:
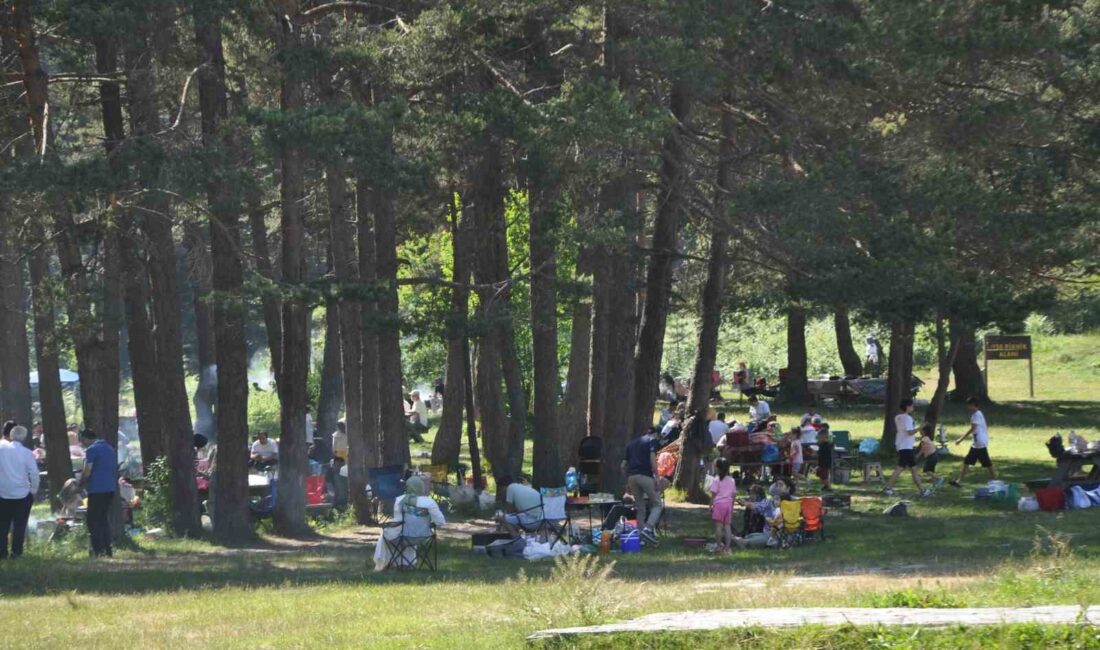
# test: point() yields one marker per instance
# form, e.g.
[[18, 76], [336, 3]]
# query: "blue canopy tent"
[[68, 378]]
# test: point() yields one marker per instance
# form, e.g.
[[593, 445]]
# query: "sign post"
[[1006, 348]]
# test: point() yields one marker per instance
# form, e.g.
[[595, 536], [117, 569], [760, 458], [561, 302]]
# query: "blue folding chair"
[[385, 485]]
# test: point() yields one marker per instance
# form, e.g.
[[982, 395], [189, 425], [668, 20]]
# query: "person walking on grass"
[[18, 485], [100, 481], [723, 490], [904, 440], [640, 466], [929, 455], [979, 449]]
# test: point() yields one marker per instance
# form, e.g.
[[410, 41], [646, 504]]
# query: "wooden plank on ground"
[[794, 617]]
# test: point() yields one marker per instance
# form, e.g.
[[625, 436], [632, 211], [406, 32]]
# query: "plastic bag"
[[868, 447], [1027, 504], [487, 501], [543, 550]]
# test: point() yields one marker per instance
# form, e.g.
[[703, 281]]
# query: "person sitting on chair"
[[759, 411], [523, 504], [265, 452], [416, 495]]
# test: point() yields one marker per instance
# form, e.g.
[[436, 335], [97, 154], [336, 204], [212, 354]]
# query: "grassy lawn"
[[320, 592]]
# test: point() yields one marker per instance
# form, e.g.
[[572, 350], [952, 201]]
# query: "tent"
[[68, 378]]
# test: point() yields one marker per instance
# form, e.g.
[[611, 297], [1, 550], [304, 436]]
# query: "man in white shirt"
[[718, 428], [265, 451], [523, 502], [979, 449], [18, 485], [759, 410], [340, 440], [903, 443]]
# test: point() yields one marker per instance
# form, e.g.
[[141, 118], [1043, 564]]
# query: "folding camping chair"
[[413, 545], [265, 505], [385, 485], [549, 520], [589, 456], [790, 524], [842, 444], [813, 520]]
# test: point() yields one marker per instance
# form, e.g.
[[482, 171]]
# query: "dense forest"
[[516, 196]]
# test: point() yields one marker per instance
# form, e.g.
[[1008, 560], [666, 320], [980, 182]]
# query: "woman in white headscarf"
[[415, 497]]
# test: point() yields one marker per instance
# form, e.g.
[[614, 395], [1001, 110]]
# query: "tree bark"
[[331, 398], [849, 358], [486, 203], [672, 200], [15, 386], [200, 273], [394, 437], [369, 383], [290, 507], [710, 314], [969, 381], [346, 267], [448, 440], [600, 322], [144, 369], [549, 453], [230, 486], [898, 376], [794, 385], [943, 379], [58, 466], [573, 409]]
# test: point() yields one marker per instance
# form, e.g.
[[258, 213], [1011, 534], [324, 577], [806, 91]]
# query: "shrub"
[[156, 500]]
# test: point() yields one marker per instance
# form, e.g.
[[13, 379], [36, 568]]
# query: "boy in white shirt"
[[903, 442], [979, 449]]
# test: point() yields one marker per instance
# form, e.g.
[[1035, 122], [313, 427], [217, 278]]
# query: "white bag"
[[1027, 504], [1078, 498], [487, 501], [1094, 496], [708, 481]]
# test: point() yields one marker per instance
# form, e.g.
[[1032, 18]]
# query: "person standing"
[[99, 480], [640, 466], [903, 442], [18, 485], [979, 449]]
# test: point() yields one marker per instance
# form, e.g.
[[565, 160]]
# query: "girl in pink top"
[[723, 490]]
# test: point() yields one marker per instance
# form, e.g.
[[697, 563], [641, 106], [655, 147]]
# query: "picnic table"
[[574, 505], [1073, 462], [841, 390]]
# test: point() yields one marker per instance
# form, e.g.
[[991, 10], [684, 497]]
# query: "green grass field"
[[320, 592]]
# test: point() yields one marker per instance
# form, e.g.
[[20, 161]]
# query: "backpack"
[[1051, 499], [899, 509]]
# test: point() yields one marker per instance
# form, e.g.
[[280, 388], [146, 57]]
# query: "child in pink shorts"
[[723, 489]]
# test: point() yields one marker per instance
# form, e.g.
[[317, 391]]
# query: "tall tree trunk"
[[46, 341], [486, 201], [943, 379], [543, 195], [394, 437], [231, 516], [672, 202], [710, 312], [290, 507], [175, 436], [331, 398], [15, 386], [573, 408], [969, 381], [200, 273], [58, 466], [600, 322], [849, 358], [143, 356], [369, 382], [898, 376], [346, 266], [794, 384], [448, 440], [272, 306]]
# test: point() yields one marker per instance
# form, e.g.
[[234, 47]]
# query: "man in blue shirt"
[[100, 481], [640, 466]]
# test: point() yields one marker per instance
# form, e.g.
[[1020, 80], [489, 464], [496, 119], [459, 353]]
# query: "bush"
[[580, 590], [156, 500]]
